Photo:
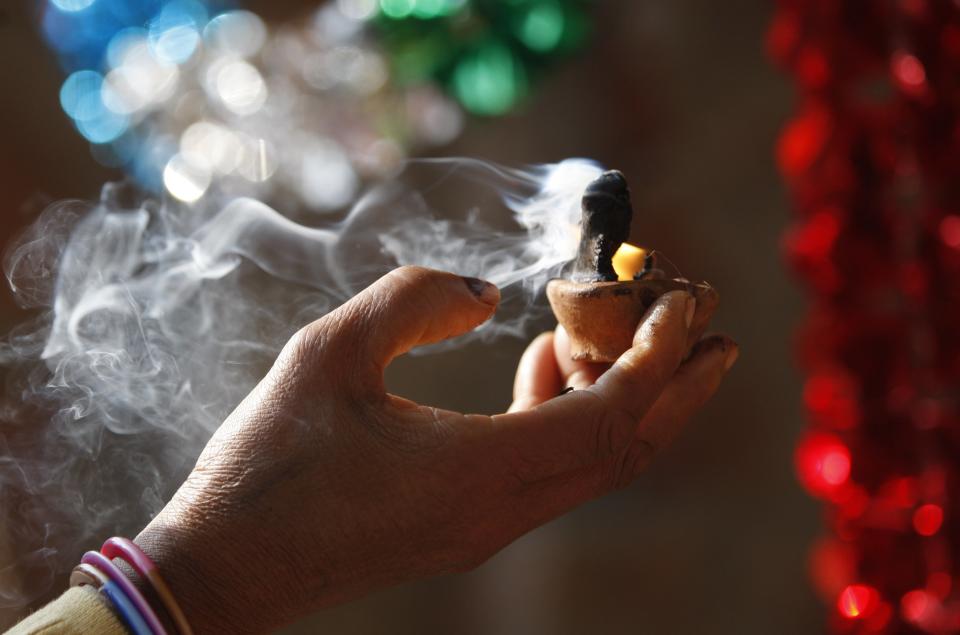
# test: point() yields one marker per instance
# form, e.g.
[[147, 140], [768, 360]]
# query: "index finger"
[[586, 426]]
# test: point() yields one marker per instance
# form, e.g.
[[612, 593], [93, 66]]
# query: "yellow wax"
[[628, 261]]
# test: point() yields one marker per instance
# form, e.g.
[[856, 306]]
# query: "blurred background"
[[680, 97]]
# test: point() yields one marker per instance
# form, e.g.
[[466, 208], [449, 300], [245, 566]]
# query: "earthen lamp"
[[612, 284]]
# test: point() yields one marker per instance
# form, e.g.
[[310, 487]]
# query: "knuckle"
[[310, 334], [320, 352], [306, 345], [409, 273]]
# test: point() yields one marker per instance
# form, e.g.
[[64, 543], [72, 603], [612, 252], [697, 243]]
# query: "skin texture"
[[321, 487]]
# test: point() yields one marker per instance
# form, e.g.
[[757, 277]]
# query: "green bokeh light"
[[423, 9], [397, 9], [542, 27], [486, 53], [490, 81], [427, 9]]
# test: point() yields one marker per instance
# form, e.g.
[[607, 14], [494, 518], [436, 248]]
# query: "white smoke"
[[154, 320]]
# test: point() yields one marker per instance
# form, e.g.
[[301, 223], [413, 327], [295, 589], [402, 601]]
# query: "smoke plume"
[[154, 319]]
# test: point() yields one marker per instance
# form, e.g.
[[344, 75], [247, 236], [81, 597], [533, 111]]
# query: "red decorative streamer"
[[872, 164]]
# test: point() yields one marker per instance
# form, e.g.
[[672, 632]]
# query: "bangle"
[[85, 574], [126, 608], [132, 554], [106, 566]]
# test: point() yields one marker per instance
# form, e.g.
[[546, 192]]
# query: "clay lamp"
[[612, 284]]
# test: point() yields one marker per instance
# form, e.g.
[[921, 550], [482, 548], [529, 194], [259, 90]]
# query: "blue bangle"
[[125, 608]]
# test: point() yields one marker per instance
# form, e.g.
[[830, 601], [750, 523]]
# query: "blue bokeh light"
[[175, 31], [80, 95], [90, 37], [72, 5], [81, 37], [104, 127], [120, 43]]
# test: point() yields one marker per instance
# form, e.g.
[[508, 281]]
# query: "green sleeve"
[[79, 610]]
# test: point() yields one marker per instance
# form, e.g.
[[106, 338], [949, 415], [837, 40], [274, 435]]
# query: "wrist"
[[211, 593]]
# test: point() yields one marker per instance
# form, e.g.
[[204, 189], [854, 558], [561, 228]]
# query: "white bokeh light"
[[184, 180], [212, 146], [139, 79], [328, 181], [239, 86], [258, 159], [239, 33], [358, 9]]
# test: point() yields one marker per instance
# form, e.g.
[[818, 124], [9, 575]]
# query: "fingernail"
[[691, 309], [483, 290], [732, 354]]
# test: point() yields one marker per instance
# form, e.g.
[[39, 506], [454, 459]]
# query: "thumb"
[[408, 307]]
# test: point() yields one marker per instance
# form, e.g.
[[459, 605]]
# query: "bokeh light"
[[542, 27], [187, 99], [105, 127], [490, 81], [857, 601], [950, 231], [822, 463], [81, 97], [909, 73], [174, 32], [80, 94], [211, 146], [397, 8], [358, 9], [400, 9], [72, 5], [239, 33], [328, 179], [140, 79], [802, 140], [186, 181], [258, 159], [927, 519], [916, 606], [239, 86]]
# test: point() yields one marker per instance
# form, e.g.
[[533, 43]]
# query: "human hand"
[[321, 487], [546, 369]]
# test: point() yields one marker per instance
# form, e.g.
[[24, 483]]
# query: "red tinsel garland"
[[872, 163]]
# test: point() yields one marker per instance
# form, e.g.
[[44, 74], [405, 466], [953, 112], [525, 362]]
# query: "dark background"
[[678, 95]]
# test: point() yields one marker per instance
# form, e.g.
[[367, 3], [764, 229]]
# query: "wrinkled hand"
[[322, 487]]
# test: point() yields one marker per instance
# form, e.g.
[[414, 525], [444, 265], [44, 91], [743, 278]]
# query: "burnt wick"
[[604, 226]]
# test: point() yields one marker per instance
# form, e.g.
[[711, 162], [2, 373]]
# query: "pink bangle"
[[101, 562], [132, 554]]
